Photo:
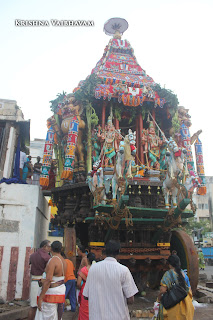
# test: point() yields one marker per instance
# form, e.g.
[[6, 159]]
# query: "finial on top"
[[115, 27]]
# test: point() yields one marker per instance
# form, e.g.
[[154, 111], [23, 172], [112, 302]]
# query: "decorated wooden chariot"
[[125, 168]]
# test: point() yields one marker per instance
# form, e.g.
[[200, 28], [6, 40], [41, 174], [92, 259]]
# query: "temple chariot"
[[125, 168]]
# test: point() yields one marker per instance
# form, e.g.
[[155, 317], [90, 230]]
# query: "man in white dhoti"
[[38, 262], [53, 288]]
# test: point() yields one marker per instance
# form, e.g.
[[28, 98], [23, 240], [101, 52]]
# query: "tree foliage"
[[193, 225]]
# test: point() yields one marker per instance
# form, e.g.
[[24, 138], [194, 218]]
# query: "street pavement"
[[209, 272], [203, 311]]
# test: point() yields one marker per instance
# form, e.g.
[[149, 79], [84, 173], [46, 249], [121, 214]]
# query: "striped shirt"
[[108, 286]]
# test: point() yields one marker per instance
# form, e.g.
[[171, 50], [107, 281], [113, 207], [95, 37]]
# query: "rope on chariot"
[[114, 218]]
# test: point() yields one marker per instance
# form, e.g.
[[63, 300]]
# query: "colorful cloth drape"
[[72, 138], [47, 158], [200, 166], [186, 139], [182, 310]]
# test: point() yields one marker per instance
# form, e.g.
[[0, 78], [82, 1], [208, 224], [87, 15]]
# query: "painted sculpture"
[[125, 165], [153, 147], [110, 138], [174, 176], [67, 127], [121, 143]]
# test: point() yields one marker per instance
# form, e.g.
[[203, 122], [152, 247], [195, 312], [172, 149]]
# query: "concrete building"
[[24, 213], [204, 203], [24, 221], [12, 125], [37, 149]]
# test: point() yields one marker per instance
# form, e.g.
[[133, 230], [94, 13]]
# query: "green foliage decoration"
[[168, 95], [117, 112], [133, 115], [86, 93], [176, 123], [146, 108], [94, 119], [118, 109], [59, 99]]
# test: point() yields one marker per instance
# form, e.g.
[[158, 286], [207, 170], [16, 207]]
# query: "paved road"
[[204, 311], [209, 272]]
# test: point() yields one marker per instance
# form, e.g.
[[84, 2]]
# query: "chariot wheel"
[[183, 244]]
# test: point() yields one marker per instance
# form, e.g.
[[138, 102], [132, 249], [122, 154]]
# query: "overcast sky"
[[172, 41]]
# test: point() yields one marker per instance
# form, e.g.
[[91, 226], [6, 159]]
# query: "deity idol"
[[111, 138], [152, 146]]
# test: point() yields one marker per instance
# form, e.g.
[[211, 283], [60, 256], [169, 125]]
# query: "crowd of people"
[[27, 170], [30, 173], [102, 290]]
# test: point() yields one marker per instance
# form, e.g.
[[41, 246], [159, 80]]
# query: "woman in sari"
[[184, 310], [82, 277]]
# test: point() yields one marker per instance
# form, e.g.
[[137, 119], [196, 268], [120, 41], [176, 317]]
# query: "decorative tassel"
[[200, 166], [72, 138], [47, 158]]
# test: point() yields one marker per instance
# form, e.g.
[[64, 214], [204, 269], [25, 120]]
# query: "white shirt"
[[108, 286], [23, 159]]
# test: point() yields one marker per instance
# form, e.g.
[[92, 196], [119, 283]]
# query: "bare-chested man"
[[53, 288]]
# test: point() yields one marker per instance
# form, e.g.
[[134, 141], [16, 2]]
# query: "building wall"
[[37, 149], [12, 123], [24, 218], [8, 109], [203, 202], [4, 143]]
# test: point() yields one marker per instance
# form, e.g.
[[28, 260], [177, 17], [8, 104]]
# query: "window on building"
[[204, 219], [206, 206], [201, 206]]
